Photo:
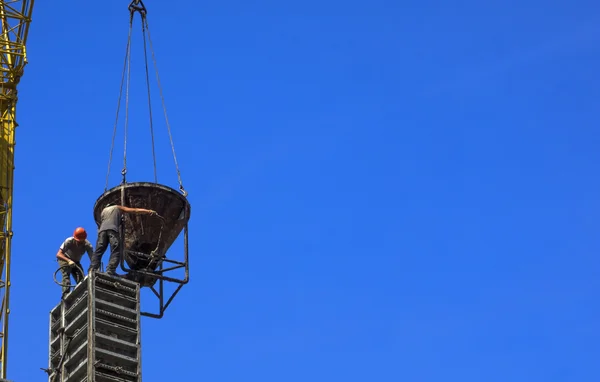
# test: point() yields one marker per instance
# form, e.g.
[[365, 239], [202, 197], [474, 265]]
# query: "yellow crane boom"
[[15, 17]]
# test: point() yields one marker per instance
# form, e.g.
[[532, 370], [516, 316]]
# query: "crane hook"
[[137, 6]]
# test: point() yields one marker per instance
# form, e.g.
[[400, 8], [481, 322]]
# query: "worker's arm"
[[137, 210], [90, 250], [61, 252], [61, 255]]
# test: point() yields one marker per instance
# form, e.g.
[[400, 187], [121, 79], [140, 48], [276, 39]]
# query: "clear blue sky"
[[381, 191]]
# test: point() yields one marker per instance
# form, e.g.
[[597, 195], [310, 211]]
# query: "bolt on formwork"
[[95, 332]]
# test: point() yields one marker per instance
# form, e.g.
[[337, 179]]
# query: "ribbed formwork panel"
[[95, 332]]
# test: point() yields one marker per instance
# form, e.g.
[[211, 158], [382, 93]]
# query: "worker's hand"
[[71, 262], [153, 213]]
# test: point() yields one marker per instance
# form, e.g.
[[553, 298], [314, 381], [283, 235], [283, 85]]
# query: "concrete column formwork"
[[95, 332]]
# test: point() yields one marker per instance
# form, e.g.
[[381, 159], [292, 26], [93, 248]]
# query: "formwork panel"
[[95, 332]]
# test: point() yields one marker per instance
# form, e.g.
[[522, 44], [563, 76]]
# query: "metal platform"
[[95, 332]]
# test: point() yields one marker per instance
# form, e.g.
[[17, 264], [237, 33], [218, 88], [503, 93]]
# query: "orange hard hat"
[[80, 234]]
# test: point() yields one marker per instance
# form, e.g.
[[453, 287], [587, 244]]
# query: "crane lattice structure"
[[15, 18]]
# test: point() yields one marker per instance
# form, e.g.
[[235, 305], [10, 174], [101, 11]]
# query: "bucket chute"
[[147, 238]]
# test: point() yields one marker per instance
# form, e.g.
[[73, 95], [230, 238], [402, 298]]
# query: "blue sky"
[[381, 191]]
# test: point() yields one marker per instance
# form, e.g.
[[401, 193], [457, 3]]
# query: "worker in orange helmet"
[[69, 258], [108, 233]]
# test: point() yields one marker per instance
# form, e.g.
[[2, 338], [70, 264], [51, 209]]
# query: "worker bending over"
[[108, 233], [69, 258]]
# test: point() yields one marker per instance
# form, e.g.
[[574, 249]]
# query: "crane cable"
[[138, 6], [112, 145]]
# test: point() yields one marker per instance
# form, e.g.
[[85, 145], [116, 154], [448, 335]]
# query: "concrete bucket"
[[147, 238]]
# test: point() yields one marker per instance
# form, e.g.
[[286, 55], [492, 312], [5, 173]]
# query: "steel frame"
[[159, 274]]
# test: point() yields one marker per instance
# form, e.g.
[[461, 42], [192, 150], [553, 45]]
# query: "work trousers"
[[67, 271], [104, 239]]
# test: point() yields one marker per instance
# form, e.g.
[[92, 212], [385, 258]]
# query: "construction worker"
[[108, 233], [69, 256]]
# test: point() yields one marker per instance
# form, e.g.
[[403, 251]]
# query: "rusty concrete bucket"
[[147, 238]]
